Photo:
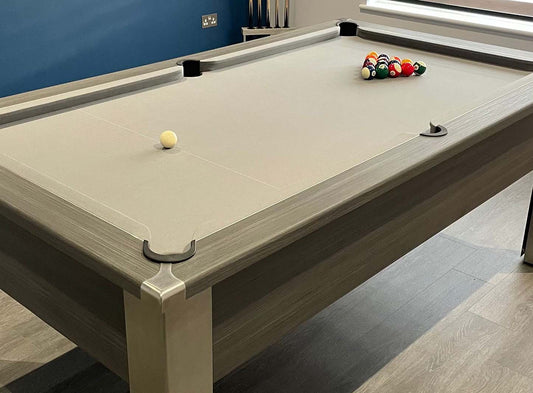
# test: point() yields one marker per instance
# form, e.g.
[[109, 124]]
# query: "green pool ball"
[[420, 67], [382, 71]]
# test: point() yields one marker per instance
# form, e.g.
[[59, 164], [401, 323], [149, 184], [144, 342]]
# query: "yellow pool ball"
[[168, 139]]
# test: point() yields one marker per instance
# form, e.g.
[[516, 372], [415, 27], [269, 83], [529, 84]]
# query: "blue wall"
[[46, 42]]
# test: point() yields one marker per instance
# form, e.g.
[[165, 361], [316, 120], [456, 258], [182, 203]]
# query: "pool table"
[[293, 181]]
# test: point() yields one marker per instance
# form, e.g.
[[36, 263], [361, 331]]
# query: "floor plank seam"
[[514, 369], [486, 319], [470, 275], [476, 246]]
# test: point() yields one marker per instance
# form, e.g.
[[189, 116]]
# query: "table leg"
[[527, 247], [169, 344]]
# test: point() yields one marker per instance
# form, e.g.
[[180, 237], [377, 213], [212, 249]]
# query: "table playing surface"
[[249, 136]]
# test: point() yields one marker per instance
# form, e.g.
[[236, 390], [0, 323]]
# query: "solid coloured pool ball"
[[368, 72], [382, 71], [407, 69], [420, 67], [168, 139], [394, 70]]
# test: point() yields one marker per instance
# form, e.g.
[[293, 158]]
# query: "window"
[[523, 8], [512, 18]]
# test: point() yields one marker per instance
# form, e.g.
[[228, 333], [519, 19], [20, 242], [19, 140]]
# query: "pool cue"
[[259, 14], [250, 14], [267, 23], [277, 14], [286, 13]]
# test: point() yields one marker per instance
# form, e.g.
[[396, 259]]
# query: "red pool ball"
[[394, 70], [407, 69]]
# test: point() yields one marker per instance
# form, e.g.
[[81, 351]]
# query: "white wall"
[[308, 12]]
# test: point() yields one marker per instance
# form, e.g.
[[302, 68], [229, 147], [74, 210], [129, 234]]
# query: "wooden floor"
[[454, 315]]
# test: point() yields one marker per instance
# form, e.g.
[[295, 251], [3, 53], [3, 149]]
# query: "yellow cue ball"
[[168, 139]]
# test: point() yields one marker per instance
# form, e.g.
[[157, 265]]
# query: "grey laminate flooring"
[[453, 315]]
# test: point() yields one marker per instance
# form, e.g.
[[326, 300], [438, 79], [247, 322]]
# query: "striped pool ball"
[[373, 54], [395, 62], [368, 72], [407, 61], [370, 60], [420, 67], [385, 56]]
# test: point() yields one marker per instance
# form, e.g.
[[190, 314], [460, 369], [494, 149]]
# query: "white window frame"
[[521, 28], [506, 7]]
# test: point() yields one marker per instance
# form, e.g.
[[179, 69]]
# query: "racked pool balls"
[[382, 71], [382, 66], [420, 67], [407, 69], [394, 70], [368, 72]]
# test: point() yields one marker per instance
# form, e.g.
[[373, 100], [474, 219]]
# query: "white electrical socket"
[[210, 20]]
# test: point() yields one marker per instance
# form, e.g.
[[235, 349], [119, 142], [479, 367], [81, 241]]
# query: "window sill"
[[471, 20]]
